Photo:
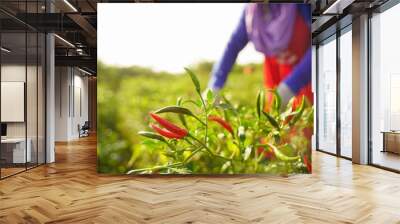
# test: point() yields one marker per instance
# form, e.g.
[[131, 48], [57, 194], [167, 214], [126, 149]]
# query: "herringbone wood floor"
[[70, 191]]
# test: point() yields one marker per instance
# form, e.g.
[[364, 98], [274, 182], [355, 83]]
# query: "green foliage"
[[127, 95]]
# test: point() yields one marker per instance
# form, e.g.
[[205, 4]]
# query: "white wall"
[[62, 81], [71, 94], [80, 100]]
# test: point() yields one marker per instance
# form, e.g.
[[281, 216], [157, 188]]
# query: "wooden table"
[[391, 141]]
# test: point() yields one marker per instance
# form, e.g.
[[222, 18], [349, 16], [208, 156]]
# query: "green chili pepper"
[[282, 156], [194, 80], [271, 120], [178, 110], [151, 135], [260, 102]]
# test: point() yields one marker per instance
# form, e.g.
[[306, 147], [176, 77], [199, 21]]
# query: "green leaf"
[[178, 110], [260, 102], [174, 109], [179, 101], [194, 80], [271, 120], [197, 104], [278, 101], [210, 96], [152, 135]]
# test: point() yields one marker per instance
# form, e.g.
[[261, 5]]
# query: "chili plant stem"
[[206, 117], [206, 122], [191, 155], [196, 150], [193, 152], [208, 149]]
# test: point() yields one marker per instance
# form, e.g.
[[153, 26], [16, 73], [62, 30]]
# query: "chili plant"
[[215, 136]]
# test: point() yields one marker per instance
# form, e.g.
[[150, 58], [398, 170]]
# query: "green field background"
[[127, 94]]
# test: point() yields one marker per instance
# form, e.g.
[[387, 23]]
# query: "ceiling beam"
[[85, 25], [337, 6], [79, 61]]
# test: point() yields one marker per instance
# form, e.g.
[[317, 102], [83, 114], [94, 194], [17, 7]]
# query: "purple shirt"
[[301, 74]]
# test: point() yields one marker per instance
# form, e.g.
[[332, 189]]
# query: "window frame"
[[333, 37]]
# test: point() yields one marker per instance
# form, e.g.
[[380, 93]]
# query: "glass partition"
[[22, 91], [346, 93], [327, 95], [15, 151], [385, 89]]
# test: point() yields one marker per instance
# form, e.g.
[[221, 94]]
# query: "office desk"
[[391, 141], [13, 150]]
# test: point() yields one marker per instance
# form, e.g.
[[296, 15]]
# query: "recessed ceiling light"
[[84, 71], [70, 5], [64, 40], [5, 50], [337, 7]]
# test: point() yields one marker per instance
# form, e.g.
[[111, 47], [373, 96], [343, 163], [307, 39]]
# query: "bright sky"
[[167, 36]]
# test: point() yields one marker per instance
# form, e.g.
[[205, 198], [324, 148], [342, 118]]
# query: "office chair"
[[84, 130]]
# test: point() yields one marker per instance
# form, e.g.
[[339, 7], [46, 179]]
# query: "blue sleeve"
[[221, 69], [305, 11], [301, 74]]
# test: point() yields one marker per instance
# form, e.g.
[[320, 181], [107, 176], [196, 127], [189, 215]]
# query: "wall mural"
[[172, 100]]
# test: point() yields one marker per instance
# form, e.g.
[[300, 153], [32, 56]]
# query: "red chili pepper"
[[166, 133], [269, 154], [221, 122], [169, 126], [307, 163]]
